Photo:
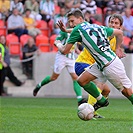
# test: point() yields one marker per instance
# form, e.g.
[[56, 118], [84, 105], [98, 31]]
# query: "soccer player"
[[85, 59], [107, 66], [62, 61]]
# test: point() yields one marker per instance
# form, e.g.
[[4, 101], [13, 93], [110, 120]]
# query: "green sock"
[[77, 90], [91, 88], [46, 80], [131, 98]]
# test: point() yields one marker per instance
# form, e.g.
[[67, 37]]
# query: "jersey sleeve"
[[61, 36], [109, 31], [74, 37]]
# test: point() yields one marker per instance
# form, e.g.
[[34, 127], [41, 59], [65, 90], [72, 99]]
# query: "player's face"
[[73, 21], [3, 40], [114, 23]]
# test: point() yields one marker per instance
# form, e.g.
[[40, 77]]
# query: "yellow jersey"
[[85, 56], [29, 22], [4, 6], [113, 43]]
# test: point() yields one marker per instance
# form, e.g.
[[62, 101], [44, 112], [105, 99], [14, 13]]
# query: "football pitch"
[[59, 115]]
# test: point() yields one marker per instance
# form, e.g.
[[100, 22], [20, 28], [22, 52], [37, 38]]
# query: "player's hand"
[[120, 53], [62, 26]]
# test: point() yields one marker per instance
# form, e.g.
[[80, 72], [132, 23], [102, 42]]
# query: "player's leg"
[[116, 74], [45, 81], [80, 68], [85, 80], [77, 88], [91, 99], [128, 92], [104, 90], [58, 66]]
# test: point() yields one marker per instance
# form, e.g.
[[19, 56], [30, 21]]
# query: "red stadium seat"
[[42, 42], [11, 38], [57, 9], [52, 39], [132, 11], [2, 23], [99, 10], [126, 41], [51, 26], [24, 38], [43, 26], [15, 49], [3, 30], [14, 45]]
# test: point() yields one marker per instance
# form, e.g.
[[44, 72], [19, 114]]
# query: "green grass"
[[59, 115]]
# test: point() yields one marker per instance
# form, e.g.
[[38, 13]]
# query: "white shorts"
[[115, 73], [61, 61]]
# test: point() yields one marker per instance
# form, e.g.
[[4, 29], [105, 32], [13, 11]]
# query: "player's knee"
[[53, 78], [81, 83], [127, 92], [106, 91]]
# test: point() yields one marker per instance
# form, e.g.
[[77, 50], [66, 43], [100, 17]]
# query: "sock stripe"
[[99, 97], [39, 84], [79, 97]]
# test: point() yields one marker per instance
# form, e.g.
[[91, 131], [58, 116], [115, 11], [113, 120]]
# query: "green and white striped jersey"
[[94, 38], [63, 37]]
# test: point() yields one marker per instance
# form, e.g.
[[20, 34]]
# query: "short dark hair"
[[28, 10], [89, 12], [118, 16], [77, 13]]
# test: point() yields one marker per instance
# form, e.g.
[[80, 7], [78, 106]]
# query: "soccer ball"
[[85, 111]]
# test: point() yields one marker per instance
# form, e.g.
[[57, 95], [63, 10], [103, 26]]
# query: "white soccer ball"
[[85, 111]]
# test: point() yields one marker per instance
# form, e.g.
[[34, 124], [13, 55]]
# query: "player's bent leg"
[[85, 80], [102, 88], [92, 101], [106, 90], [128, 93], [45, 81]]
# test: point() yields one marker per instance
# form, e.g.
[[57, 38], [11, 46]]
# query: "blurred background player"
[[85, 59], [62, 61]]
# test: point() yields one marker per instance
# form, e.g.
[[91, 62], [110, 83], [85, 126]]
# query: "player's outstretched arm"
[[66, 49]]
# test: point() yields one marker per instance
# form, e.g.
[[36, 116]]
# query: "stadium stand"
[[42, 42]]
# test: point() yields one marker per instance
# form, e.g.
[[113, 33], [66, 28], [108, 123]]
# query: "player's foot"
[[96, 115], [97, 106], [84, 100], [35, 91]]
